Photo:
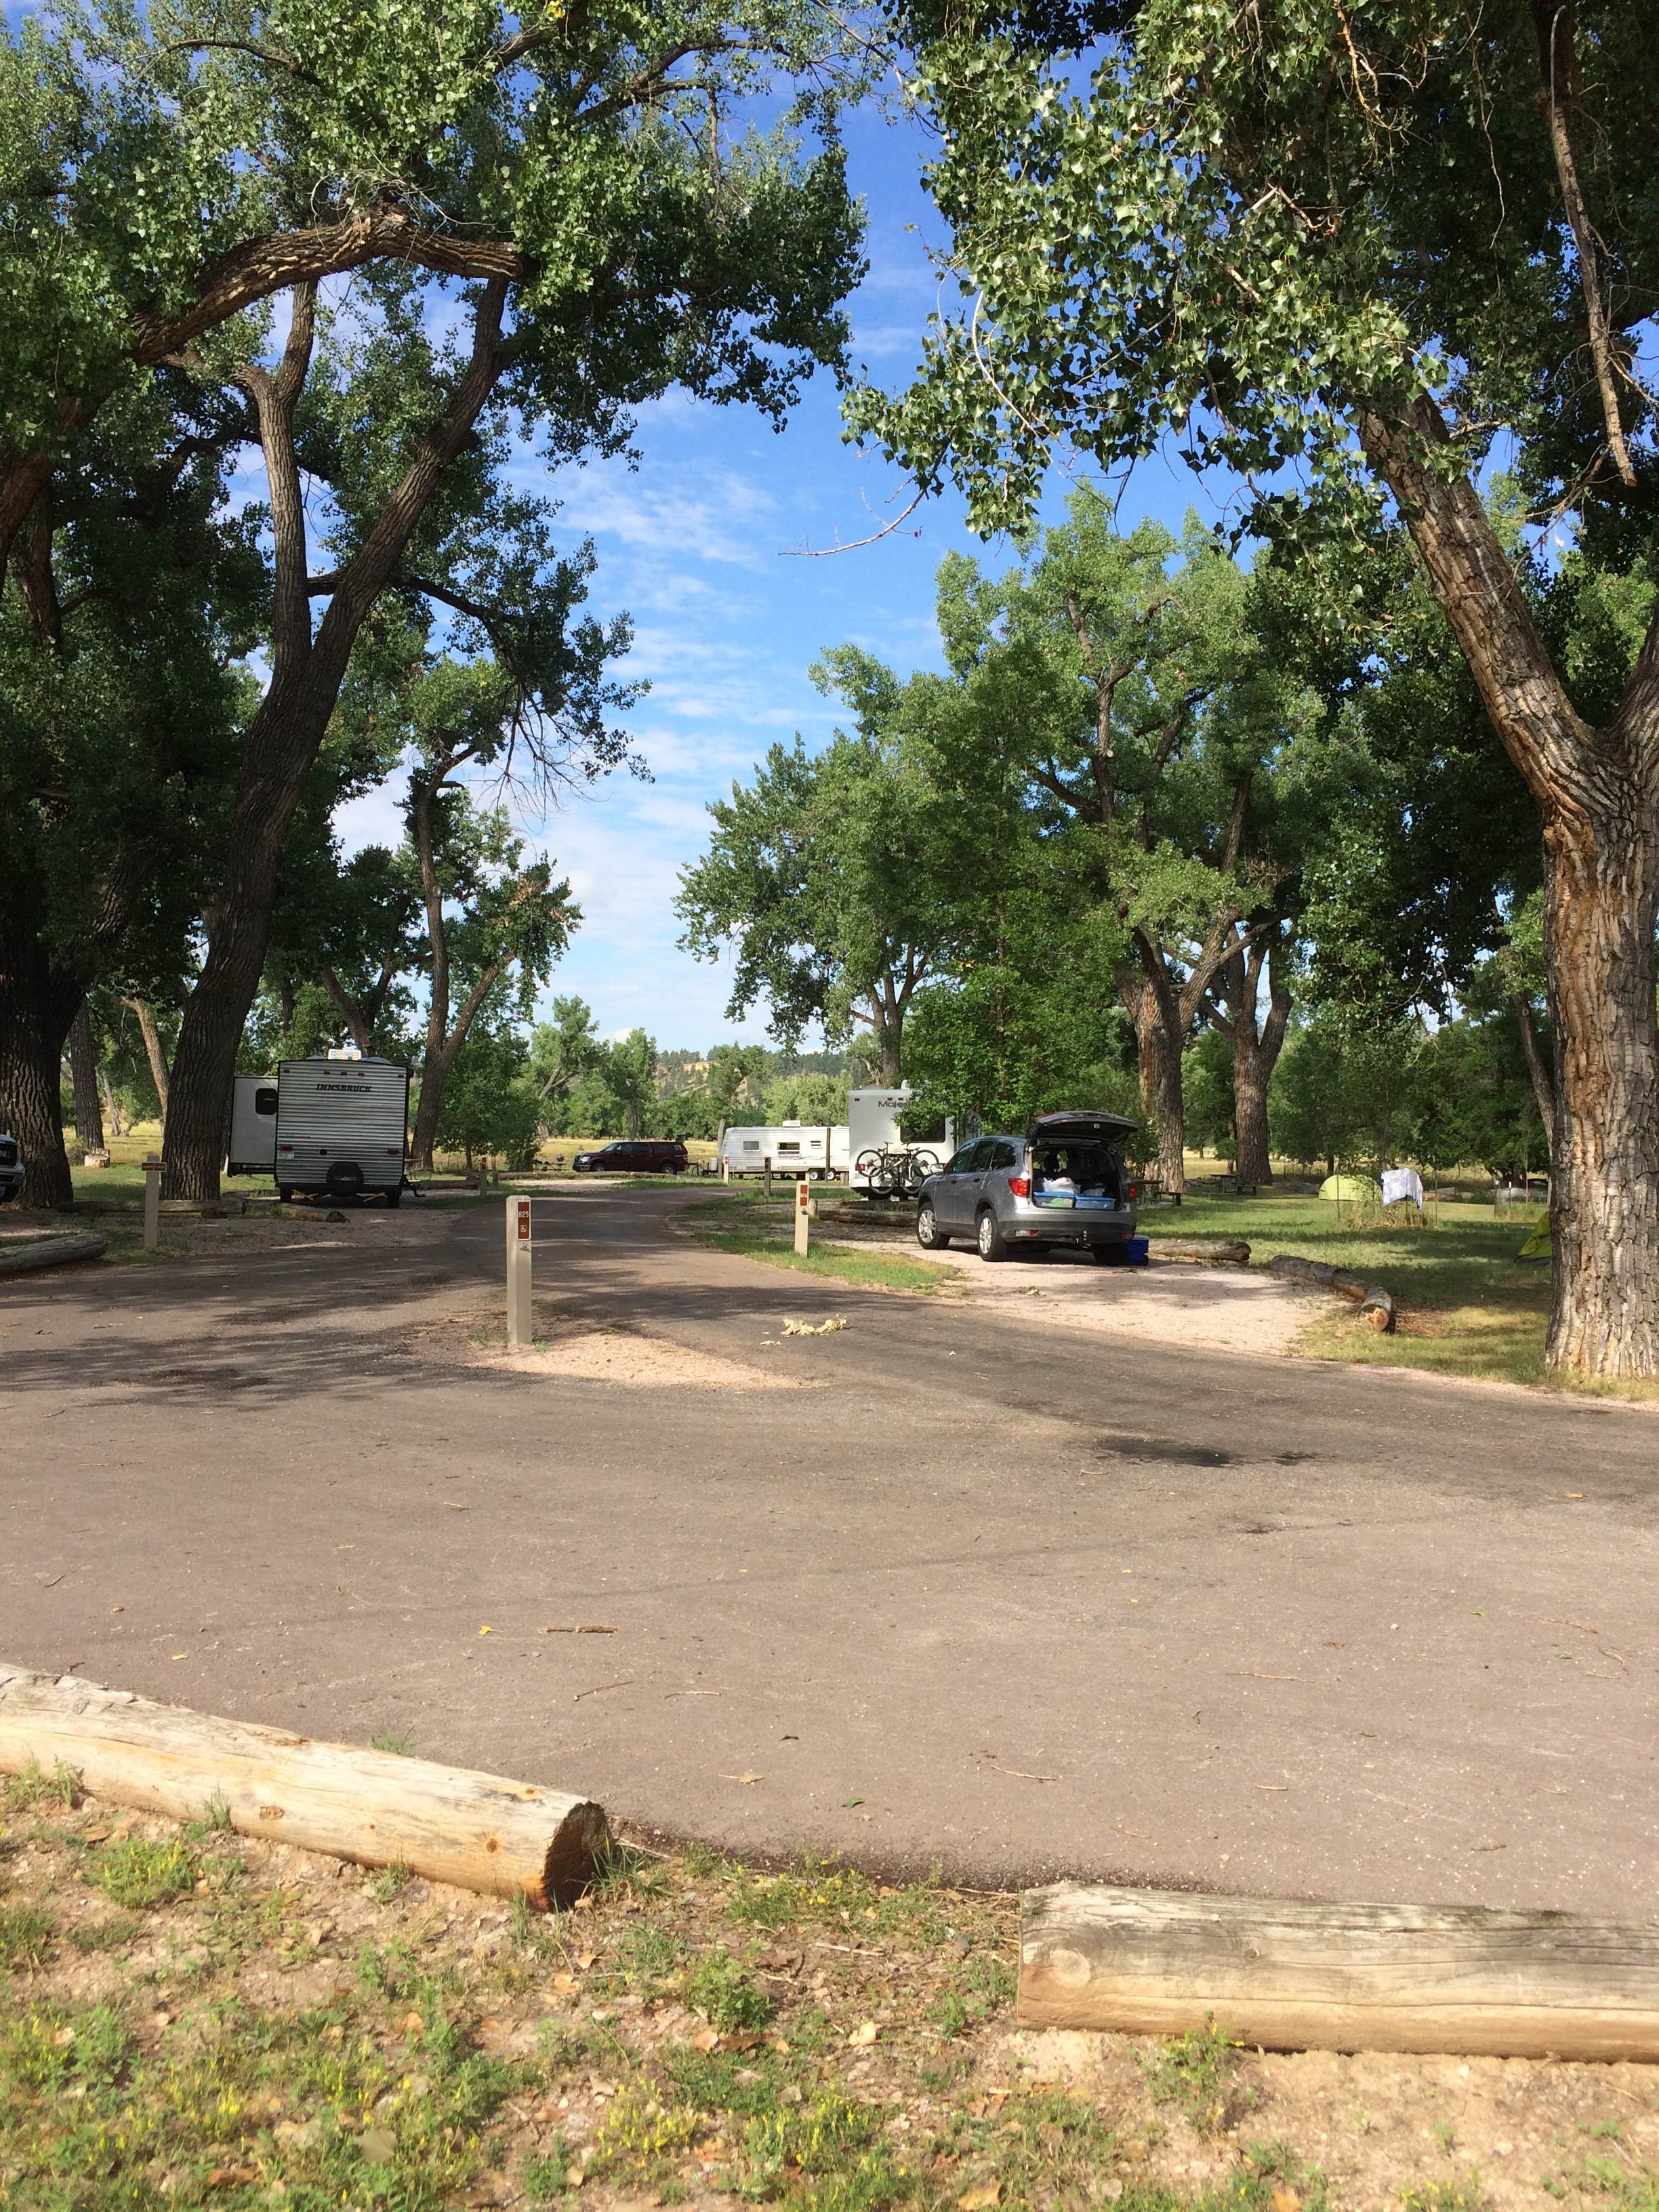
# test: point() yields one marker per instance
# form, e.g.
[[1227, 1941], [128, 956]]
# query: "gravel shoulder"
[[1167, 1301]]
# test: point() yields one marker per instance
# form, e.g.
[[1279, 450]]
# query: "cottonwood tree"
[[496, 922], [121, 703], [570, 200], [564, 1052], [1117, 703], [823, 872], [1342, 253]]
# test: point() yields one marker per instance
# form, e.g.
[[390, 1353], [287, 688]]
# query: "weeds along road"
[[1019, 1604]]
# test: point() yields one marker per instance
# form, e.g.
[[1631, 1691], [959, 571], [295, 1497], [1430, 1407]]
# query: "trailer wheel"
[[394, 1196]]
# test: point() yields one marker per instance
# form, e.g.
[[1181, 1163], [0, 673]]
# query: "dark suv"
[[1063, 1182], [635, 1156]]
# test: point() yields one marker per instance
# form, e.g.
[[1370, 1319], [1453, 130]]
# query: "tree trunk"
[[1543, 1083], [37, 1005], [434, 1073], [112, 1105], [1160, 1034], [1162, 1096], [1601, 892], [359, 1024], [84, 1080], [1255, 1053], [1598, 793], [289, 728], [153, 1052]]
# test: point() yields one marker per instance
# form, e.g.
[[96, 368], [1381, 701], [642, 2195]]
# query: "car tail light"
[[1020, 1186], [1131, 1193]]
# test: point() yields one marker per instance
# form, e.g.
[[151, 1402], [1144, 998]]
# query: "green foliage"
[[139, 1873], [826, 874], [726, 1997], [1194, 2072], [26, 1934], [33, 1790], [490, 1103], [1207, 1089], [1458, 1096], [1242, 243], [1468, 2196], [628, 1071]]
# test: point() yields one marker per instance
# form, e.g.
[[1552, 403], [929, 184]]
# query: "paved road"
[[1021, 1605]]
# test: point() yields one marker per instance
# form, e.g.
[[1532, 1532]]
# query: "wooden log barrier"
[[1376, 1303], [1297, 1977], [49, 1251], [1207, 1251], [477, 1831]]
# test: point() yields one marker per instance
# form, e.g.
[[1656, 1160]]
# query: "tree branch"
[[262, 267], [1559, 62], [1476, 588]]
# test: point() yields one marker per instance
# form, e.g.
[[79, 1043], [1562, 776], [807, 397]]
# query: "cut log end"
[[578, 1845]]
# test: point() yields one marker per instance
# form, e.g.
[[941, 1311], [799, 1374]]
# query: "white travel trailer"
[[335, 1126], [794, 1148], [789, 1148], [252, 1148]]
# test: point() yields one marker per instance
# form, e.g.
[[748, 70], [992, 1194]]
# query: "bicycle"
[[895, 1174]]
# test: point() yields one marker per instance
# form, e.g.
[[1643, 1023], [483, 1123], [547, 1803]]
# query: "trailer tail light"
[[392, 1152], [1020, 1186]]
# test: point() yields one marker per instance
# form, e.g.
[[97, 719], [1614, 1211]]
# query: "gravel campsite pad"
[[191, 2019], [569, 1350], [1174, 1301]]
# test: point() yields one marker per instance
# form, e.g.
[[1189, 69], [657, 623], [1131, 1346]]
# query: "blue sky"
[[695, 544]]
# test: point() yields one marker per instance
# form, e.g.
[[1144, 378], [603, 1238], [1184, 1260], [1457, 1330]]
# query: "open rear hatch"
[[1078, 1152]]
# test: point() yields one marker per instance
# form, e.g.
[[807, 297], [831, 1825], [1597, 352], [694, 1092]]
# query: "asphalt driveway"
[[1003, 1598]]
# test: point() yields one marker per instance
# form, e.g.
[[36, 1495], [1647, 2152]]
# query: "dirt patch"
[[569, 1351], [198, 2019], [1169, 1302]]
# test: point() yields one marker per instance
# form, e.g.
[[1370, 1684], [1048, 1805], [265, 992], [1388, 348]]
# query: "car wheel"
[[992, 1244], [928, 1233], [285, 1192], [8, 1191]]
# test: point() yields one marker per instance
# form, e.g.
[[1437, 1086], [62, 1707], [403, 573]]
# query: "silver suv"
[[1062, 1182]]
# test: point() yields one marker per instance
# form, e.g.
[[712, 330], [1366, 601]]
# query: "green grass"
[[139, 1874], [1467, 1305], [1194, 2073], [293, 2040]]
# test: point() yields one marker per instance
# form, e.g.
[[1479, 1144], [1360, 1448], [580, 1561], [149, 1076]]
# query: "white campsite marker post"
[[803, 1216], [152, 1203], [520, 1329]]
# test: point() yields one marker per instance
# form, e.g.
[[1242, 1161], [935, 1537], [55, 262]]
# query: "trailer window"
[[751, 1144], [265, 1099], [790, 1147]]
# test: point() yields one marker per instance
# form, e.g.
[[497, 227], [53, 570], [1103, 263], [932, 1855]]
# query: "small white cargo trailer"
[[252, 1148], [342, 1126], [790, 1148]]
